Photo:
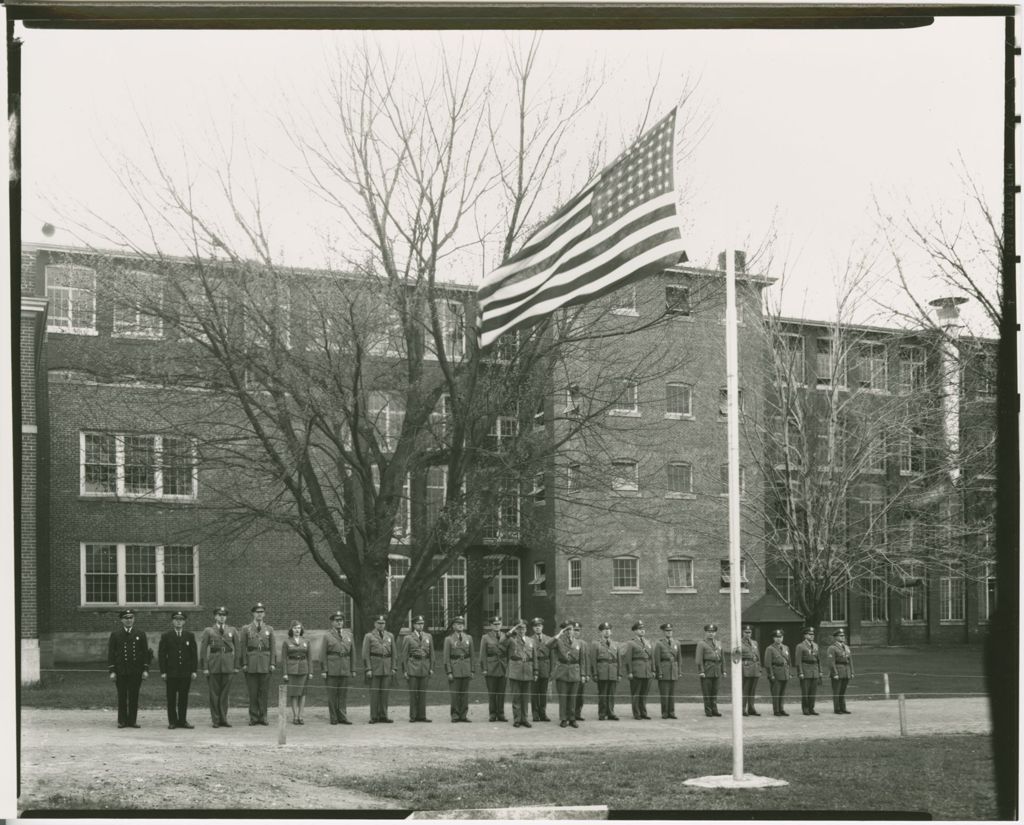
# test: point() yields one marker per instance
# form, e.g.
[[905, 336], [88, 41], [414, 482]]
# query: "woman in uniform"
[[295, 653]]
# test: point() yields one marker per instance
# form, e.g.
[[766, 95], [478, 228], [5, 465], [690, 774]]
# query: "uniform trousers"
[[128, 686], [566, 699], [337, 698], [667, 689], [520, 690], [709, 689], [258, 685], [379, 688], [417, 698], [605, 698], [638, 688], [495, 696], [539, 699], [177, 699], [839, 694], [778, 694], [220, 685], [749, 690], [459, 688], [808, 693], [578, 709]]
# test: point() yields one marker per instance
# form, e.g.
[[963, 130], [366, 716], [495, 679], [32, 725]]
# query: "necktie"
[[381, 634], [179, 634], [221, 629], [460, 638], [259, 628]]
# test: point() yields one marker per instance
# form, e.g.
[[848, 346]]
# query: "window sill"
[[952, 622], [681, 496], [571, 592], [136, 336], [680, 589], [626, 591], [679, 316], [744, 589], [71, 331], [627, 493], [914, 622], [873, 391], [145, 607], [679, 416], [624, 413], [874, 623], [141, 499], [630, 313]]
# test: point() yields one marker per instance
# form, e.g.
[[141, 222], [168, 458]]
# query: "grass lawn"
[[915, 671], [945, 777]]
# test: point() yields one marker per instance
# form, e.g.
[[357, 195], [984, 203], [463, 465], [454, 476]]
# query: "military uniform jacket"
[[257, 648], [128, 652], [418, 654], [638, 658], [543, 660], [338, 653], [709, 658], [840, 661], [569, 659], [776, 661], [668, 659], [458, 655], [751, 658], [522, 657], [808, 661], [379, 652], [296, 656], [178, 656], [604, 660], [492, 656], [219, 651]]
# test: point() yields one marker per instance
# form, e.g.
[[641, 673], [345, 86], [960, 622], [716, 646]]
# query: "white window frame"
[[455, 573], [876, 369], [574, 477], [139, 326], [119, 464], [389, 338], [77, 296], [574, 570], [403, 528], [875, 592], [876, 454], [687, 587], [620, 483], [387, 416], [784, 583], [838, 609], [452, 317], [725, 576], [679, 494], [634, 561], [991, 584], [671, 307], [794, 358], [687, 392], [504, 428], [499, 530], [723, 480], [913, 369], [624, 301], [914, 592], [539, 492], [508, 613], [627, 403], [832, 364], [539, 580], [723, 402], [279, 311], [122, 588], [913, 444], [952, 602], [428, 486]]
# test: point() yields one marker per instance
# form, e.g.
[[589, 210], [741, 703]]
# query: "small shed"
[[771, 612]]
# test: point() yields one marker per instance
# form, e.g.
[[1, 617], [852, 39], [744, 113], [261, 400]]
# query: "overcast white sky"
[[804, 129]]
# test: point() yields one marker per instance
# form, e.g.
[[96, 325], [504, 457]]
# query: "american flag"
[[623, 221]]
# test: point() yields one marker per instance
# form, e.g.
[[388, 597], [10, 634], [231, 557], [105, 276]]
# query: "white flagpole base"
[[749, 780]]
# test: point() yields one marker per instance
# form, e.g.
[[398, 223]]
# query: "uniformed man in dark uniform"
[[418, 667], [605, 668], [128, 657], [259, 660], [457, 657], [808, 670], [521, 654], [584, 671], [668, 659], [751, 658], [379, 661], [840, 669], [637, 659], [776, 666], [178, 658], [338, 665], [220, 659], [539, 691], [494, 667], [710, 667], [567, 671]]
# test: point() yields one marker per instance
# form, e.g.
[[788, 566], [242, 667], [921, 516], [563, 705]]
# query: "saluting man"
[[418, 667], [220, 658], [751, 658], [338, 665], [605, 670], [494, 665], [840, 670], [568, 672], [522, 658], [584, 671], [128, 657], [637, 658], [808, 670], [710, 667], [259, 660], [542, 666], [457, 657], [668, 660], [776, 665], [178, 658], [378, 659]]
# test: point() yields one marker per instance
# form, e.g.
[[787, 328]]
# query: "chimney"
[[740, 258], [947, 316]]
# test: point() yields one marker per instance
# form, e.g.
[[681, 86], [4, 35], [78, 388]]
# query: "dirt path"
[[81, 759]]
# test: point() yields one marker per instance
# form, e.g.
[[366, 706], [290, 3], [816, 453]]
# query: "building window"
[[678, 400], [783, 583], [680, 574], [625, 476], [504, 523], [874, 526], [726, 576], [573, 397], [723, 402], [574, 477], [123, 574], [575, 576], [502, 595], [403, 515], [538, 416], [539, 580], [387, 338], [139, 466], [835, 612], [874, 460], [441, 418], [387, 414], [677, 300], [453, 328], [680, 478], [131, 321], [346, 606], [624, 301], [989, 574], [506, 347], [952, 595], [626, 574], [985, 368], [912, 451], [504, 431], [723, 480], [873, 372], [792, 363], [448, 596], [913, 604], [398, 569], [874, 600], [627, 402], [539, 492], [913, 369], [827, 370], [71, 292], [436, 493]]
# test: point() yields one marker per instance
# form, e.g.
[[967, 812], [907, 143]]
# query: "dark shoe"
[[754, 713], [467, 721], [334, 722], [645, 716], [601, 718], [715, 713], [745, 713], [838, 712], [537, 719], [783, 713], [187, 725], [344, 722], [300, 722], [813, 713], [387, 721], [413, 720], [806, 712], [135, 725], [672, 716], [265, 723], [545, 719], [225, 725], [426, 720], [172, 727], [502, 719], [215, 724], [515, 724], [613, 718], [708, 713], [525, 725], [573, 724], [253, 724], [580, 719], [563, 724], [492, 718], [776, 713], [373, 721], [121, 725], [847, 711]]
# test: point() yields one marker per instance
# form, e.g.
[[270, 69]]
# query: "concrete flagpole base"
[[748, 780]]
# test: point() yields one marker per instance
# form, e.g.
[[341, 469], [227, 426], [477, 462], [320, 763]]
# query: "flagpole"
[[733, 424]]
